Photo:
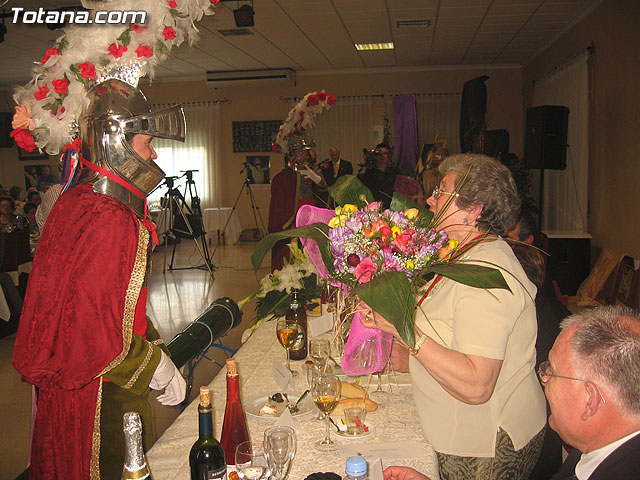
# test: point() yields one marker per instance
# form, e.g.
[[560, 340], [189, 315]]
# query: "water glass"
[[280, 449], [251, 462]]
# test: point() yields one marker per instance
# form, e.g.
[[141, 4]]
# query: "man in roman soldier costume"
[[84, 341]]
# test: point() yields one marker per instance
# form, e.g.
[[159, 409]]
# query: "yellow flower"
[[410, 265], [395, 231], [411, 213], [453, 244], [349, 208], [334, 222]]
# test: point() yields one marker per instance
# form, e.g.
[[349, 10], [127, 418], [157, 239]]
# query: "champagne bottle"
[[206, 459], [135, 463], [297, 315], [234, 426]]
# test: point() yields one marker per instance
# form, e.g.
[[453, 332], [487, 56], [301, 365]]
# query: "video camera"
[[370, 158]]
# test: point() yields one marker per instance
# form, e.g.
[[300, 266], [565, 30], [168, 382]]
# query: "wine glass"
[[325, 390], [251, 462], [280, 450], [312, 371], [319, 350], [287, 334]]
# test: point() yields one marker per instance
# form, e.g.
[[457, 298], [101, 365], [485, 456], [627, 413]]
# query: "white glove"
[[164, 373], [306, 172], [175, 392]]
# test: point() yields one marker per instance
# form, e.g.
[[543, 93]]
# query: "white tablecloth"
[[394, 421], [215, 220]]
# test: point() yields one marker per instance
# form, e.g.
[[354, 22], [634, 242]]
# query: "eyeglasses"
[[437, 192], [545, 372]]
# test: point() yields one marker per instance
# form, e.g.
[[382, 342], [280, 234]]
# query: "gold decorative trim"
[[158, 341], [142, 366], [94, 468], [131, 298]]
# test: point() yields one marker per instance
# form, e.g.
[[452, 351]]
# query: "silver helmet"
[[301, 145], [116, 112]]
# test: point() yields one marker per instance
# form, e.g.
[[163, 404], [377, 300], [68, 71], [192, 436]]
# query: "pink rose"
[[22, 118], [372, 207], [365, 269], [385, 230], [41, 93], [24, 139], [61, 85], [48, 53], [379, 225], [144, 51], [169, 33], [138, 28], [87, 70], [331, 99], [117, 51], [172, 4], [402, 240], [321, 96], [312, 100]]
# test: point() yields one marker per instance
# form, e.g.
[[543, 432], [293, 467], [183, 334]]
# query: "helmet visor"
[[168, 123]]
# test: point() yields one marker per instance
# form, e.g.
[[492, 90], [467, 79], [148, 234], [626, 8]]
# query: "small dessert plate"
[[344, 434]]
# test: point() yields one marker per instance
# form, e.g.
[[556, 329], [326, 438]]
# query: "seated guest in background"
[[592, 382], [335, 167], [428, 173], [46, 176], [14, 192], [381, 176], [34, 197], [30, 215], [472, 368], [8, 220]]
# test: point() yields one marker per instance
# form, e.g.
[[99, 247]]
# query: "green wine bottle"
[[206, 459], [135, 463]]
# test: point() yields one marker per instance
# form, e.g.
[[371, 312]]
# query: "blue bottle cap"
[[356, 466]]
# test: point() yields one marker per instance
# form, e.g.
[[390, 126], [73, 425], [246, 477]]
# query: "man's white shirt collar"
[[589, 461]]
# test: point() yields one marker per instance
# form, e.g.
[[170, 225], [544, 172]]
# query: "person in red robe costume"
[[290, 191], [83, 339]]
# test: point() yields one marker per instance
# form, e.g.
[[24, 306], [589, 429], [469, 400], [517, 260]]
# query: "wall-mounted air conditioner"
[[252, 77]]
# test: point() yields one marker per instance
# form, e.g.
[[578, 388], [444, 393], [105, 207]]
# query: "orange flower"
[[22, 118]]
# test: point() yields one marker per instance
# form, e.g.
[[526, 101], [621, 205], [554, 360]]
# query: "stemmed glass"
[[319, 350], [287, 333], [325, 390], [251, 462], [280, 450], [312, 371]]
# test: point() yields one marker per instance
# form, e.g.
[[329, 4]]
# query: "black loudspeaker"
[[545, 141], [5, 129], [496, 143], [569, 261]]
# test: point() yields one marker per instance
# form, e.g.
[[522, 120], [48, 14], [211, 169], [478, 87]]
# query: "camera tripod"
[[185, 221], [246, 184]]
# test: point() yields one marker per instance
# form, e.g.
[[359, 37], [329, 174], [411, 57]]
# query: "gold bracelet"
[[414, 351]]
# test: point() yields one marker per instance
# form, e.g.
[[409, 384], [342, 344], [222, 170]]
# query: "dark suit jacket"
[[622, 463], [345, 168]]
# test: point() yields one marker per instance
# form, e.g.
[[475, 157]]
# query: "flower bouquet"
[[385, 258]]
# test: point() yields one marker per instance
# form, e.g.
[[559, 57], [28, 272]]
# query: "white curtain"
[[200, 151], [347, 125], [564, 206], [438, 116]]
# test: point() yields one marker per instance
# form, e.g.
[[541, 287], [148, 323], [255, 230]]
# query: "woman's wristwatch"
[[414, 351]]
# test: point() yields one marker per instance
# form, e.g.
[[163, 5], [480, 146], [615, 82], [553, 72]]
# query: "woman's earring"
[[465, 222]]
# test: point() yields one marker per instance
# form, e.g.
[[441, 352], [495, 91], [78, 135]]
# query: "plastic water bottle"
[[356, 469]]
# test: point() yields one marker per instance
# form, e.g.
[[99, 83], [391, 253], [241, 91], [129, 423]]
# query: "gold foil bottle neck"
[[232, 367], [205, 396]]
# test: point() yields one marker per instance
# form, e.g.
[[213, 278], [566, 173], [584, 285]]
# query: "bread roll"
[[369, 405], [352, 390]]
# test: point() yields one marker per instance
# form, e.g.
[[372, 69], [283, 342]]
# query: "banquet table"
[[215, 220], [396, 420]]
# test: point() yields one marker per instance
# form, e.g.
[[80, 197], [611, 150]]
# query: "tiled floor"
[[176, 298]]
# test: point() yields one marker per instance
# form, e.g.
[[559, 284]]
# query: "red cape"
[[75, 324]]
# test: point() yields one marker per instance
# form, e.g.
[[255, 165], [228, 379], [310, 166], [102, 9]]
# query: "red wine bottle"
[[234, 426], [206, 459]]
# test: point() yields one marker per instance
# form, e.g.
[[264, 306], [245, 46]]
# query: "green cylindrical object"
[[221, 316]]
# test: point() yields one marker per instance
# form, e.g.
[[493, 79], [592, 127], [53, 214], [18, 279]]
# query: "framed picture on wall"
[[35, 155], [258, 169], [626, 282]]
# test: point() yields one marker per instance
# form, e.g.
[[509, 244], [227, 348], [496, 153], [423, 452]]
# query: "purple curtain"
[[405, 131]]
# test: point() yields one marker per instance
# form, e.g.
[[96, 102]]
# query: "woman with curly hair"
[[472, 367]]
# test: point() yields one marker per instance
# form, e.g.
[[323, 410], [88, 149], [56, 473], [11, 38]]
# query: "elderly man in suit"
[[592, 382]]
